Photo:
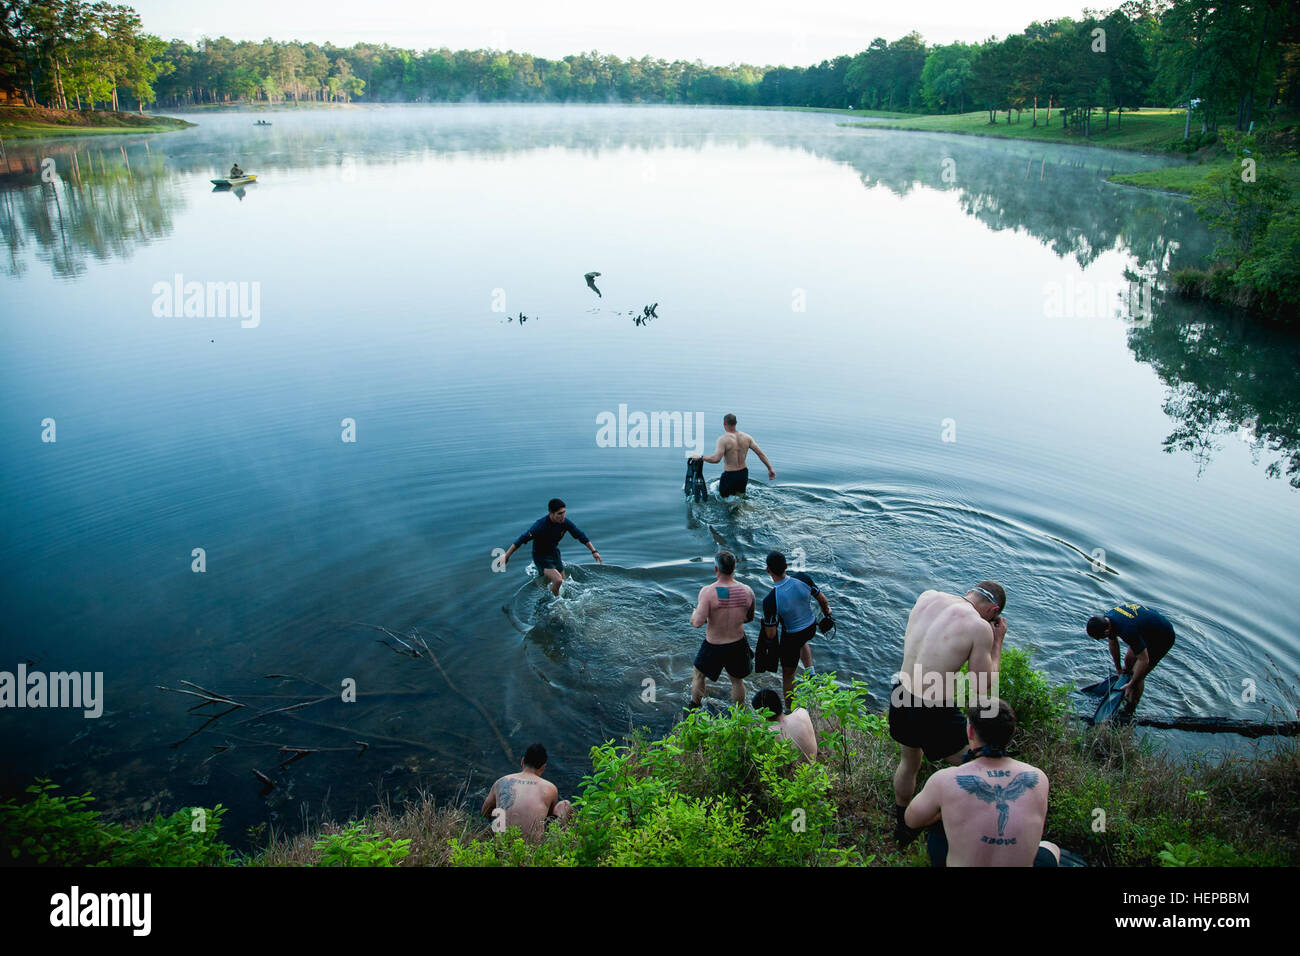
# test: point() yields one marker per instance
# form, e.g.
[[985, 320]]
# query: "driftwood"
[[1223, 725]]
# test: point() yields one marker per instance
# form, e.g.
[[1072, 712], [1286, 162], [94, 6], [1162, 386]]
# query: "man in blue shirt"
[[1149, 637], [545, 534], [788, 605]]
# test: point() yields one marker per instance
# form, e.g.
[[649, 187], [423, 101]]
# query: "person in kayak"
[[733, 445], [1149, 636], [545, 534], [235, 171]]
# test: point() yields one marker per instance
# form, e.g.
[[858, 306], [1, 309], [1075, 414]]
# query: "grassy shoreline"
[[724, 791], [24, 122]]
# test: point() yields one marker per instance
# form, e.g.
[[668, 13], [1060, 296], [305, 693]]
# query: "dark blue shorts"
[[544, 561]]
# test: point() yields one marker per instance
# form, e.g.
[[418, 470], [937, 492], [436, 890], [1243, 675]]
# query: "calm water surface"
[[853, 295]]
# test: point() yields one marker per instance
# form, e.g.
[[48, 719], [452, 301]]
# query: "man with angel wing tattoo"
[[958, 803]]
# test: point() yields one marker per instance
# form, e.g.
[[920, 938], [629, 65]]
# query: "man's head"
[[534, 758], [769, 700], [555, 509], [776, 564], [994, 730], [1099, 627], [725, 563], [988, 598], [729, 421]]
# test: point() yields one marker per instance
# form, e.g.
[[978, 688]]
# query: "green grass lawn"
[[1149, 130], [1175, 179], [18, 122]]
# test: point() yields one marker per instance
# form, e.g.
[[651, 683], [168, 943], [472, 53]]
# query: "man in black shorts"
[[725, 605], [1149, 637], [545, 534], [788, 604], [944, 631], [732, 448]]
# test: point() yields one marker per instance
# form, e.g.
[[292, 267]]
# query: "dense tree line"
[[1225, 61], [70, 54]]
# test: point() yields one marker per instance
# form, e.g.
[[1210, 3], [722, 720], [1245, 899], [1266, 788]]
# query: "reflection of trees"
[[100, 204], [1227, 375], [108, 199], [1057, 194]]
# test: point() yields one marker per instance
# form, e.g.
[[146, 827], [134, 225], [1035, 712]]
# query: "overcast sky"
[[761, 32]]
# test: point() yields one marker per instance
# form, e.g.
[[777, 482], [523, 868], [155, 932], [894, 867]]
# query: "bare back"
[[797, 728], [734, 448], [526, 800], [944, 631], [993, 811]]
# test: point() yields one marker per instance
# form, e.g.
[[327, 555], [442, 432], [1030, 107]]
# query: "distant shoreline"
[[34, 122]]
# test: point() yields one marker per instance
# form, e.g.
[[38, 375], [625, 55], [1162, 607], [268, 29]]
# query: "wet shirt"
[[789, 602], [726, 608], [1137, 624], [545, 535]]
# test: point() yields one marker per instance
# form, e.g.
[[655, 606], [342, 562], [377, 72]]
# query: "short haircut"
[[554, 505], [776, 562], [995, 731], [1098, 626], [729, 419], [996, 590], [770, 700], [726, 562], [535, 757]]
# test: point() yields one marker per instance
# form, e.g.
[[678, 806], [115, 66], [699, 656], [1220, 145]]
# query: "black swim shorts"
[[1158, 646], [792, 644], [735, 657], [733, 482], [938, 730], [544, 561]]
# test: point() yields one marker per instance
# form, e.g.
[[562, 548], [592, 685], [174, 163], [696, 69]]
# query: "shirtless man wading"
[[524, 799], [992, 808], [733, 446], [944, 631]]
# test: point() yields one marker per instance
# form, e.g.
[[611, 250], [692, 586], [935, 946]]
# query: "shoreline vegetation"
[[725, 791], [33, 122]]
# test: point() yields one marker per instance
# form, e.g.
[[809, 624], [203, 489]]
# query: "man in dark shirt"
[[788, 606], [1149, 637], [545, 534]]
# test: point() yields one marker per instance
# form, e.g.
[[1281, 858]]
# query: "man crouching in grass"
[[525, 800], [992, 808]]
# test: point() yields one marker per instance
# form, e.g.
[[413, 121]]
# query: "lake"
[[294, 424]]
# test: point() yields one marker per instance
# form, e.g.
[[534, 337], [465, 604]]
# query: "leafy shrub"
[[53, 830], [355, 847], [1038, 705], [511, 849]]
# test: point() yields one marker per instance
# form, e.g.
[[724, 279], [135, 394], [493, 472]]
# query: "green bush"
[[53, 830], [684, 831], [355, 847], [1038, 705]]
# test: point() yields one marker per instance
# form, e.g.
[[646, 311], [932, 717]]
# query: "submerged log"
[[1223, 725]]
